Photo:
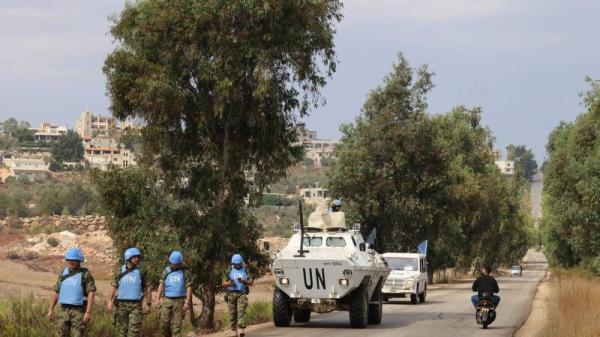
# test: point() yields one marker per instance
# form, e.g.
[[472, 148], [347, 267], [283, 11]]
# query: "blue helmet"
[[131, 252], [237, 259], [176, 257], [74, 254], [337, 203]]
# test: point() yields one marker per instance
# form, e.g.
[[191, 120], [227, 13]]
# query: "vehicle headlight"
[[343, 281], [284, 281], [278, 271], [347, 272], [408, 284]]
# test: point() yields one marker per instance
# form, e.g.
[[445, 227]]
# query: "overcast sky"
[[523, 62]]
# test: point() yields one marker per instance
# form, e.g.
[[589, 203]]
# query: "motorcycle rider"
[[486, 284]]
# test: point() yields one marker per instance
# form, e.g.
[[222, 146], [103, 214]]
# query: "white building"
[[88, 124], [314, 195], [315, 148], [48, 132], [506, 166], [105, 156], [30, 169]]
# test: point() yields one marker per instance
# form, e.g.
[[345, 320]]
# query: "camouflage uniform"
[[70, 318], [237, 303], [129, 315], [171, 310]]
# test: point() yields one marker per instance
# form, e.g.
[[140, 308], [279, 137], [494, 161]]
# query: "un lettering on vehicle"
[[314, 277]]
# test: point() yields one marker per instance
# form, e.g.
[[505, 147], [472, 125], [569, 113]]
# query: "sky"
[[523, 61]]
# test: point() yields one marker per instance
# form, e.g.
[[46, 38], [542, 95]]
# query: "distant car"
[[516, 270]]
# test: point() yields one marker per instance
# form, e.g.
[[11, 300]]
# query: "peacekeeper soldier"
[[336, 206], [176, 289], [237, 280], [130, 288], [74, 291]]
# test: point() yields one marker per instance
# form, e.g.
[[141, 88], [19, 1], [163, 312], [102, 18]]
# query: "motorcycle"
[[486, 311]]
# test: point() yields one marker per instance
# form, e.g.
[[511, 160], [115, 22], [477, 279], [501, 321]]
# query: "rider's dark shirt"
[[485, 284]]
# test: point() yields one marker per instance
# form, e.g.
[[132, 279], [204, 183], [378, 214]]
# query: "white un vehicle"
[[331, 268], [408, 277]]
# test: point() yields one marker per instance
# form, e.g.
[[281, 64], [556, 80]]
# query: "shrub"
[[53, 242]]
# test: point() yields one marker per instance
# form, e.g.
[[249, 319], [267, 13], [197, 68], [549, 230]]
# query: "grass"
[[574, 307], [26, 317], [259, 311]]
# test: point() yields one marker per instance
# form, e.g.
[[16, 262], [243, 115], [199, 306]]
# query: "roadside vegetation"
[[414, 176], [26, 317], [574, 305], [571, 200]]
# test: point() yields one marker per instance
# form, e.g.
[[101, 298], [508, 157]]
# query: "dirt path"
[[536, 322]]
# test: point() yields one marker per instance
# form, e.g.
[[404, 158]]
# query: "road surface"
[[447, 312]]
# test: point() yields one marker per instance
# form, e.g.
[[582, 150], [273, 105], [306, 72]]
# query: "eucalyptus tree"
[[220, 87]]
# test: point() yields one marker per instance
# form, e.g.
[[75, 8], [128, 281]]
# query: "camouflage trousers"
[[128, 318], [70, 322], [171, 317], [237, 304]]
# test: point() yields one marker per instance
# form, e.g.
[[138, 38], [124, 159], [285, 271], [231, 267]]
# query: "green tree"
[[68, 148], [414, 177], [571, 202], [14, 199], [219, 86], [525, 164]]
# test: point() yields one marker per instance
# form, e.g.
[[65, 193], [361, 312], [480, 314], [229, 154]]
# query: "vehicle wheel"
[[301, 315], [423, 295], [485, 326], [385, 298], [376, 310], [282, 309], [359, 308], [414, 298]]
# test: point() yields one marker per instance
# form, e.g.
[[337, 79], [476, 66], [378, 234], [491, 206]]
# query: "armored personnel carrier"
[[326, 267]]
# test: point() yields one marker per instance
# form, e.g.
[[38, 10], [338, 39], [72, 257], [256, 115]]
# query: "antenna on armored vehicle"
[[301, 251]]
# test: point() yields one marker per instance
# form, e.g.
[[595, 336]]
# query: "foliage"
[[68, 148], [525, 164], [276, 200], [13, 132], [219, 86], [53, 242], [76, 197], [14, 199], [571, 203], [415, 177]]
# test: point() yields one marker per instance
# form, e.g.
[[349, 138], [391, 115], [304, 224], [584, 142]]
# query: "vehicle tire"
[[423, 295], [301, 315], [376, 309], [359, 308], [485, 326], [385, 298], [414, 299], [282, 308]]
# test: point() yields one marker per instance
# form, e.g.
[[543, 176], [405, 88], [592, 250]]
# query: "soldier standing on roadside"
[[176, 289], [129, 289], [74, 291], [237, 280]]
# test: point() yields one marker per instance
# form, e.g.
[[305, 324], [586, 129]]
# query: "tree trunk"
[[207, 314]]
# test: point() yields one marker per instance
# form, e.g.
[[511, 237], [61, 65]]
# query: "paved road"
[[447, 312]]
